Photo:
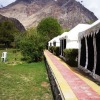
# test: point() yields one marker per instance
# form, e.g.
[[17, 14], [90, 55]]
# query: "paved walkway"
[[72, 85]]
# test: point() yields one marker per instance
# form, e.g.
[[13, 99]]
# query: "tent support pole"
[[86, 53], [95, 55]]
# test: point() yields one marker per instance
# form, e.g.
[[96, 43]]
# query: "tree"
[[7, 32], [31, 46], [49, 28]]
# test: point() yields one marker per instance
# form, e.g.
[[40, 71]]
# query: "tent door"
[[83, 53], [98, 53], [90, 65]]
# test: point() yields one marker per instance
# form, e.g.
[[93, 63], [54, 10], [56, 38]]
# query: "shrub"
[[71, 56], [51, 49], [32, 48], [56, 51]]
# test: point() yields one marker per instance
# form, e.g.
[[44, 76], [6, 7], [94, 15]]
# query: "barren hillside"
[[30, 12]]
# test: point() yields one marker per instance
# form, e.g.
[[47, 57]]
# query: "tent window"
[[64, 43], [54, 43], [50, 44], [83, 53], [98, 53], [90, 53], [61, 46]]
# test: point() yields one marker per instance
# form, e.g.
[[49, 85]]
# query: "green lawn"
[[23, 81]]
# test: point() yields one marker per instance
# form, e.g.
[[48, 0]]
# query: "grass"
[[23, 81], [13, 56]]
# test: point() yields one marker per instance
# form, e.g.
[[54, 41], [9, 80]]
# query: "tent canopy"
[[73, 34], [92, 29], [63, 35], [55, 39]]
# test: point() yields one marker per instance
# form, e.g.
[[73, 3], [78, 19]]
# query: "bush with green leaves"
[[32, 47], [71, 56], [55, 50], [51, 49]]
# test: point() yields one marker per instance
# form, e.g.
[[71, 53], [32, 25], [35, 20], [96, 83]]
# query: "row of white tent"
[[71, 37], [81, 37], [68, 40]]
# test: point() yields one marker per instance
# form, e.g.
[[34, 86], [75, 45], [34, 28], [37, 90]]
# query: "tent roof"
[[55, 39], [50, 41], [63, 35], [94, 28], [73, 34]]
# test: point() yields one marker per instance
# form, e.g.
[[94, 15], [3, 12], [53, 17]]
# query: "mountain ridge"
[[30, 12], [18, 25]]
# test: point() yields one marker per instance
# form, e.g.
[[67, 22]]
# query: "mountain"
[[30, 12], [18, 25]]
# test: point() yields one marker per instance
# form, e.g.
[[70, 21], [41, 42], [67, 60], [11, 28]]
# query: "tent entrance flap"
[[98, 53], [83, 53], [60, 46], [90, 53]]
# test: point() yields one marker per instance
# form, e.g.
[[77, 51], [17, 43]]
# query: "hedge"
[[71, 56], [55, 50]]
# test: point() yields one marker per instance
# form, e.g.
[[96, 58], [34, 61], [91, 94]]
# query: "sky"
[[6, 2], [92, 5]]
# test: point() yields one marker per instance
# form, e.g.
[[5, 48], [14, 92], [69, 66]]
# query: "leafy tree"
[[49, 28], [7, 32], [31, 46]]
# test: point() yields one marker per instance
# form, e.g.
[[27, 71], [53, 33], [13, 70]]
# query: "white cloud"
[[92, 5], [6, 2]]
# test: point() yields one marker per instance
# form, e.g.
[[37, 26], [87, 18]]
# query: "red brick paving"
[[82, 90]]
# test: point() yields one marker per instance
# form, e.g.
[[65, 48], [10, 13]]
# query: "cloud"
[[92, 5], [6, 2]]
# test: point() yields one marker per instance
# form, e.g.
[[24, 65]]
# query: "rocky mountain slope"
[[30, 12], [18, 25]]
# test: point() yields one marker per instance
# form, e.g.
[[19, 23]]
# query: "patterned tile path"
[[76, 87]]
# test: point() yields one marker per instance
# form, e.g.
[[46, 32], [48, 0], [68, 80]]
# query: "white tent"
[[63, 35], [93, 28], [89, 51], [55, 41], [50, 43], [69, 40], [72, 36], [72, 40]]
